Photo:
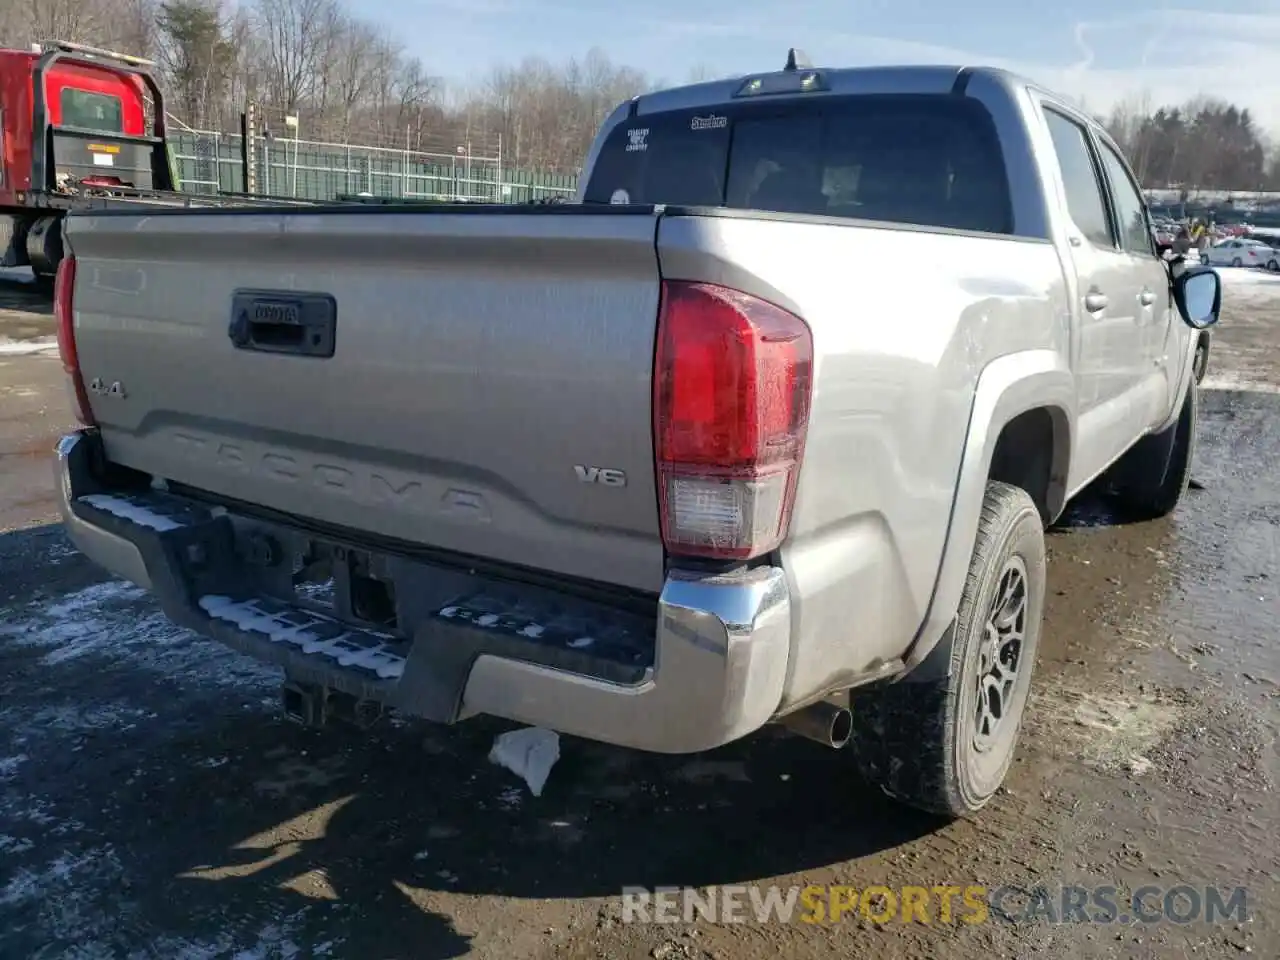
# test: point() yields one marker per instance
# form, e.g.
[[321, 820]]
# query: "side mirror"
[[1197, 292]]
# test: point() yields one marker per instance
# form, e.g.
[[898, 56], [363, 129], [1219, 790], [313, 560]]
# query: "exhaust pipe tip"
[[823, 722]]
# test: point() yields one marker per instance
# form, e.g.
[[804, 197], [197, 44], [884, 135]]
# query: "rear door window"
[[91, 111], [1080, 178], [931, 161]]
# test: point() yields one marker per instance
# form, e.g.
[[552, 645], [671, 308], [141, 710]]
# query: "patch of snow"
[[273, 942], [1227, 380], [119, 507], [9, 765], [73, 718], [65, 888], [117, 621], [12, 846], [23, 348], [61, 553], [1248, 277]]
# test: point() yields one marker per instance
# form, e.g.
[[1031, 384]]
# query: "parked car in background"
[[1272, 240], [1164, 232], [1240, 252]]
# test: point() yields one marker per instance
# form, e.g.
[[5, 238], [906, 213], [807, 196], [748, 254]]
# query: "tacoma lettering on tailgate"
[[353, 480]]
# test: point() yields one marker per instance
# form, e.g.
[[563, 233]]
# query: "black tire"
[[919, 741], [1151, 479], [1237, 262], [1273, 265]]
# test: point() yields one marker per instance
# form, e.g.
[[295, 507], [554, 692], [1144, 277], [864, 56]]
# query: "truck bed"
[[127, 198], [482, 367]]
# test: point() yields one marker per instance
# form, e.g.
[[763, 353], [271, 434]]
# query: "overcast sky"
[[1095, 49]]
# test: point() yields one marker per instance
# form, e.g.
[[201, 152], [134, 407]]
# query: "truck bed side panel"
[[901, 332], [479, 360]]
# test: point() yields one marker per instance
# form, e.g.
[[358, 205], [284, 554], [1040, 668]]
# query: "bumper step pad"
[[381, 655], [195, 563]]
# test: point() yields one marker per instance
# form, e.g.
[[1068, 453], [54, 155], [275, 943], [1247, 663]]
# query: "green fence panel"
[[211, 162]]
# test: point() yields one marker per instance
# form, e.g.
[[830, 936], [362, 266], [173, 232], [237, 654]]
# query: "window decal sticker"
[[638, 140]]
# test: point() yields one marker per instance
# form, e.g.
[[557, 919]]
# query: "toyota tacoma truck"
[[766, 427]]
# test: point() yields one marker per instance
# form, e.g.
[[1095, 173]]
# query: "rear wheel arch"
[[1032, 452], [1033, 391]]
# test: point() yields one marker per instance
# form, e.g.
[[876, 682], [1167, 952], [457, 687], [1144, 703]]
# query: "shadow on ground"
[[194, 810], [204, 816]]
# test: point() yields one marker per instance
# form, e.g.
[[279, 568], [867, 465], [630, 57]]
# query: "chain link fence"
[[208, 162]]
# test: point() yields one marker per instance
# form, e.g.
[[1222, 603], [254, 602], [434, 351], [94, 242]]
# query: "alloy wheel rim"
[[1000, 655]]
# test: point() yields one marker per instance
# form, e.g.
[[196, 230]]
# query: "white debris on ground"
[[529, 753]]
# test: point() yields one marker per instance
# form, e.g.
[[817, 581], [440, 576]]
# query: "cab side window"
[[1084, 189], [1131, 212]]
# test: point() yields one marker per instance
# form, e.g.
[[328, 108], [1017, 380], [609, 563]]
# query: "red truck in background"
[[73, 128]]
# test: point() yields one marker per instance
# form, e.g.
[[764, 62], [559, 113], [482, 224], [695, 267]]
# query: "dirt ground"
[[153, 804]]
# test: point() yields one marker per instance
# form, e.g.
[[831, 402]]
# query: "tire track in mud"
[[1163, 709]]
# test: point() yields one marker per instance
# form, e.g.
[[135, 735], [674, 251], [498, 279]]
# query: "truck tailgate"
[[489, 390]]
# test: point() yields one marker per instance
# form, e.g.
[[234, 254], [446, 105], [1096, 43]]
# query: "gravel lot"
[[153, 804]]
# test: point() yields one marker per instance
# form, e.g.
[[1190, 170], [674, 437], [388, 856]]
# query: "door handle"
[[1146, 298], [1095, 302]]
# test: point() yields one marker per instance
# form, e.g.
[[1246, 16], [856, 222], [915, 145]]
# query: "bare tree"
[[294, 34], [351, 81]]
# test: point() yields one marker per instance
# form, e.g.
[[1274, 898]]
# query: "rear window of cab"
[[926, 160], [87, 110]]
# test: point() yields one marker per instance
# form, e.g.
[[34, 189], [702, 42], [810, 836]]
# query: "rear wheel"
[[1152, 477], [1273, 265], [945, 746], [1237, 262]]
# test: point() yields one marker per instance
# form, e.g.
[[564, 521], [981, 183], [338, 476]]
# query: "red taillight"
[[731, 407], [63, 287]]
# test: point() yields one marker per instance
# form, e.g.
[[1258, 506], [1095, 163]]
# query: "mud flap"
[[13, 241], [937, 663], [1149, 457]]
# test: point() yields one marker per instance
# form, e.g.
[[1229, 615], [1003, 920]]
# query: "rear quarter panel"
[[904, 322]]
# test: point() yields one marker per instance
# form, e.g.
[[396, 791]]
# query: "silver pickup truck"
[[767, 428]]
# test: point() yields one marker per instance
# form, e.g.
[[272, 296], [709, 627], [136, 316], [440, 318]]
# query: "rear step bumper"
[[709, 669]]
